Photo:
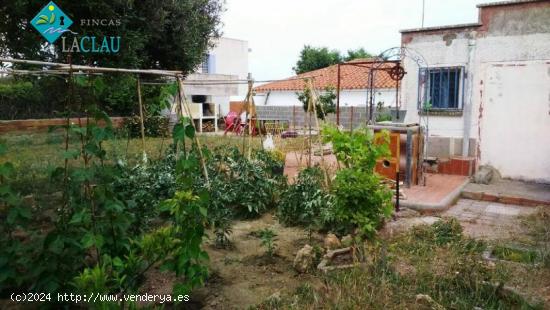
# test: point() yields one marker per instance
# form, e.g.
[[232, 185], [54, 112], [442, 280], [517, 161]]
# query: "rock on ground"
[[304, 259], [332, 242]]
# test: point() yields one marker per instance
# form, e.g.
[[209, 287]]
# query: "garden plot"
[[223, 225]]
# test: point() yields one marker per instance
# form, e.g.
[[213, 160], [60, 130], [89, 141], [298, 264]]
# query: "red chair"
[[232, 122]]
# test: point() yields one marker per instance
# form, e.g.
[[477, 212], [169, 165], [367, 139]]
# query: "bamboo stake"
[[251, 113], [141, 117], [68, 67], [320, 143], [185, 104]]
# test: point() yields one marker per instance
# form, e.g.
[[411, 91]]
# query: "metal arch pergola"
[[396, 72]]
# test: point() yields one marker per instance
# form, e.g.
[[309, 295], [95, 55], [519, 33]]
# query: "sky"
[[276, 30]]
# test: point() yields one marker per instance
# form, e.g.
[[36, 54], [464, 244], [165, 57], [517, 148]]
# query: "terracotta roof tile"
[[351, 77]]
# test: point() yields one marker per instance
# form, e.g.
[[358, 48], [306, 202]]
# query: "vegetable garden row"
[[107, 220]]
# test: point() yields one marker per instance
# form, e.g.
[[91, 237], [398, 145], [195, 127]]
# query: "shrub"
[[360, 200], [248, 187], [303, 202], [155, 126]]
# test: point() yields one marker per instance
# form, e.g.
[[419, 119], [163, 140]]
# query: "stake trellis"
[[71, 70]]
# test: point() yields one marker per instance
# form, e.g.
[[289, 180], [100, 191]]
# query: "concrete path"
[[479, 219], [440, 192], [512, 192], [490, 220]]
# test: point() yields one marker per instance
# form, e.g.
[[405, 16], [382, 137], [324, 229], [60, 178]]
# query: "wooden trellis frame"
[[70, 69]]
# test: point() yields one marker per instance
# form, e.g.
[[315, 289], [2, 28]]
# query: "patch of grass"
[[538, 225], [437, 261], [515, 255]]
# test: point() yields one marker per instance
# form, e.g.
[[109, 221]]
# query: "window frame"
[[205, 65], [424, 76]]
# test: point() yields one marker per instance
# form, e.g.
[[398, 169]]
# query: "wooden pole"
[[351, 120], [251, 113], [319, 138], [338, 97], [68, 67], [185, 105], [141, 116]]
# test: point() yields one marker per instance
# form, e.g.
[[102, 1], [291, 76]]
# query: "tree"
[[161, 34], [325, 101], [313, 58], [356, 54]]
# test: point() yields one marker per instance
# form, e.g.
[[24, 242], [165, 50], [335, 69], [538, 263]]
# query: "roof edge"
[[436, 28], [509, 2]]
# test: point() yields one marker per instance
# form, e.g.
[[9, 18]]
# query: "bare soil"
[[243, 275]]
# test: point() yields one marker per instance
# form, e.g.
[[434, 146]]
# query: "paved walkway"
[[508, 191], [489, 220], [479, 219], [440, 192]]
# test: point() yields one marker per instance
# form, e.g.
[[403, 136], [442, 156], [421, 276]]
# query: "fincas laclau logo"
[[51, 22]]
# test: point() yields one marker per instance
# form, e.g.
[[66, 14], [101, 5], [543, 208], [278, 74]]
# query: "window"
[[205, 64], [442, 87]]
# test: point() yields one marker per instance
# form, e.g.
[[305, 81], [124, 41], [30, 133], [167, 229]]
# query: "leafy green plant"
[[361, 201], [303, 202], [268, 238], [14, 215], [382, 114], [247, 187]]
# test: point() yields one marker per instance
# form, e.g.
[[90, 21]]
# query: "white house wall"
[[515, 119], [231, 57], [506, 88], [347, 98]]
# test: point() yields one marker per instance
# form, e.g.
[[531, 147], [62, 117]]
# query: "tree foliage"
[[313, 58], [357, 54], [325, 101], [167, 34]]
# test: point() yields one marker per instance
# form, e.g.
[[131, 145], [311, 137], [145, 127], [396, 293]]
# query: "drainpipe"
[[469, 90]]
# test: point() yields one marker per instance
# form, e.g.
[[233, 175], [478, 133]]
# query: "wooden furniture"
[[406, 146]]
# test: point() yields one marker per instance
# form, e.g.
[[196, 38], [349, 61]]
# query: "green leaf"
[[178, 133], [71, 154], [203, 211], [52, 18], [3, 149], [189, 131], [79, 217], [57, 246], [6, 169], [117, 262], [90, 239]]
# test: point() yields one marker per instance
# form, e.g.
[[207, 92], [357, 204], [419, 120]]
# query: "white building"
[[228, 60], [354, 86], [488, 84]]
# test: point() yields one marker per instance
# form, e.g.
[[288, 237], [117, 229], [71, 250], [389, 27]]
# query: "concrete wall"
[[514, 130], [506, 88], [231, 57], [228, 60]]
